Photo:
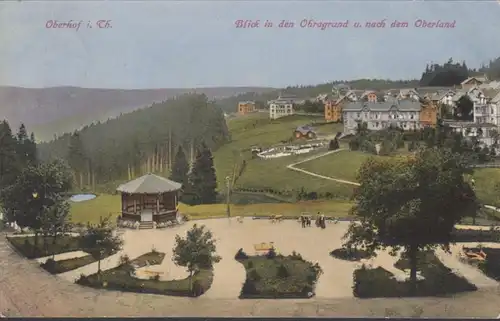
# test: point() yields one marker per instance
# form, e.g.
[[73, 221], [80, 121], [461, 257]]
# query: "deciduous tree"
[[196, 251], [98, 240], [411, 204], [37, 189]]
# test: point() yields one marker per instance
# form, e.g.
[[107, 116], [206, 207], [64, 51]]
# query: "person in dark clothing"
[[308, 221], [303, 221]]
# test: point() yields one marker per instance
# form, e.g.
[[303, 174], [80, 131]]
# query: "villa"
[[379, 115]]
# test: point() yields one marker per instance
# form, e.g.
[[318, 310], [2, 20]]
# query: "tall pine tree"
[[202, 179], [180, 168], [76, 157], [9, 166], [26, 147]]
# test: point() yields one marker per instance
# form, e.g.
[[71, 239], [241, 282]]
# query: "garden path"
[[28, 291], [470, 273]]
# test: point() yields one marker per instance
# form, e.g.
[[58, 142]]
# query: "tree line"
[[452, 73], [16, 152], [140, 142]]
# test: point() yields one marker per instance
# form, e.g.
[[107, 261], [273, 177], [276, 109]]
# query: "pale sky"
[[167, 44]]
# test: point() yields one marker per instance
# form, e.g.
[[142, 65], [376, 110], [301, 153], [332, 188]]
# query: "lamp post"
[[228, 195]]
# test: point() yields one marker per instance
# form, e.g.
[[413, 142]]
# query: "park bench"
[[263, 247], [276, 218]]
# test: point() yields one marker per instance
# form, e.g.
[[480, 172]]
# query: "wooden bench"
[[263, 247], [276, 218]]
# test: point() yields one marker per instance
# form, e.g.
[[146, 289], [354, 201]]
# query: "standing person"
[[303, 221], [323, 222], [308, 221]]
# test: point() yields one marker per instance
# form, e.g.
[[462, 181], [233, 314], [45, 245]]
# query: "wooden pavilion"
[[150, 198]]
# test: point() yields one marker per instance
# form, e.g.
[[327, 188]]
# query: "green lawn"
[[103, 205], [438, 280], [61, 266], [120, 278], [26, 245], [342, 165], [278, 277], [259, 130], [345, 165], [488, 185]]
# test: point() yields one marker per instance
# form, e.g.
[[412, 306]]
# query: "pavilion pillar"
[[158, 203], [135, 205]]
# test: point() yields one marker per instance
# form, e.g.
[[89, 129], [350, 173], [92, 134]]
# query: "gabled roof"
[[479, 79], [402, 105], [459, 94], [149, 184], [367, 92]]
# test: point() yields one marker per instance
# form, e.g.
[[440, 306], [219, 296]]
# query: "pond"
[[82, 197]]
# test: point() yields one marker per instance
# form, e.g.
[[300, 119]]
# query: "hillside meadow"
[[345, 165], [109, 205]]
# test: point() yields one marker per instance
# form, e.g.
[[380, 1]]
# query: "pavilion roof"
[[149, 184]]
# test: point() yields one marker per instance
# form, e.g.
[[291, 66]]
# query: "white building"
[[280, 108], [482, 132]]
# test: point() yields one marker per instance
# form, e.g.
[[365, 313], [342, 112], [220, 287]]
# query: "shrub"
[[124, 260], [249, 287], [83, 280], [250, 265], [50, 265], [334, 144], [271, 254], [354, 144], [197, 289], [240, 255], [254, 275], [282, 272], [351, 254], [153, 250], [296, 256]]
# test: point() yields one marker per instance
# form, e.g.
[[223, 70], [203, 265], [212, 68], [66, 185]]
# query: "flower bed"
[[121, 278], [278, 277], [438, 280]]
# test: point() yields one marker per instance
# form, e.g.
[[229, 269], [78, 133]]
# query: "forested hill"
[[56, 110], [140, 141], [230, 104]]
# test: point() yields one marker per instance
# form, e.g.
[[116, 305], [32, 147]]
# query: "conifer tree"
[[180, 168], [9, 167], [203, 181]]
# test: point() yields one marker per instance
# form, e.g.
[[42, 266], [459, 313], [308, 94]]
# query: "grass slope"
[[104, 205], [258, 130], [345, 165]]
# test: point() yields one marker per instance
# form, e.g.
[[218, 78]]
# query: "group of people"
[[305, 220], [321, 221]]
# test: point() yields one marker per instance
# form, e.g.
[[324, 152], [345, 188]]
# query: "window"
[[358, 115], [366, 115], [377, 124], [412, 116]]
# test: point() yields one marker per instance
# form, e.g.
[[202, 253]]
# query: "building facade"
[[428, 114], [333, 111], [246, 107], [280, 108], [381, 115]]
